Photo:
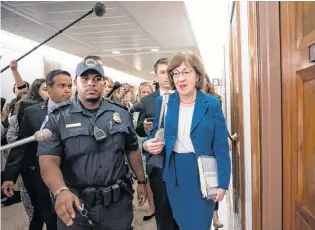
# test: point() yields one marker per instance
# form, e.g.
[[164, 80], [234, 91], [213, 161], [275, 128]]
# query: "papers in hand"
[[208, 173]]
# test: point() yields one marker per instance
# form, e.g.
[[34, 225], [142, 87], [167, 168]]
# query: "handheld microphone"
[[40, 135], [137, 107], [116, 86]]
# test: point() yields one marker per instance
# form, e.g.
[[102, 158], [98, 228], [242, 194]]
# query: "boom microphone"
[[116, 86], [98, 9], [40, 135]]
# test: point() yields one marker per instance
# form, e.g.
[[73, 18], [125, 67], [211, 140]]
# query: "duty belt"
[[103, 195]]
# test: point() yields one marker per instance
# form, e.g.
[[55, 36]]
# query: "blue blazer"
[[208, 133]]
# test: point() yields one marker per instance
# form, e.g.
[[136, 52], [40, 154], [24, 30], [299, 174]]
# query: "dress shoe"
[[218, 225]]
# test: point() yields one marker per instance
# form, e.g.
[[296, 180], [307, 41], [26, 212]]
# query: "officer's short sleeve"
[[131, 143], [53, 146]]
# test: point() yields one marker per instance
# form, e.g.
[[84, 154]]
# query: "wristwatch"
[[22, 86], [142, 181]]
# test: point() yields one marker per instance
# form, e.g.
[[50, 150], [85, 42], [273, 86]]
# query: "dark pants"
[[163, 212], [40, 199], [116, 216]]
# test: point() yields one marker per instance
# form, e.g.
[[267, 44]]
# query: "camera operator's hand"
[[13, 65], [153, 146], [64, 206]]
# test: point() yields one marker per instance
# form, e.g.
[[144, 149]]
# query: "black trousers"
[[163, 212], [116, 216], [40, 199]]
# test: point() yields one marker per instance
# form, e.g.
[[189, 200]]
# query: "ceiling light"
[[116, 52], [152, 72], [154, 50]]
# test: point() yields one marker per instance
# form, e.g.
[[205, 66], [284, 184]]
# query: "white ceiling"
[[133, 28]]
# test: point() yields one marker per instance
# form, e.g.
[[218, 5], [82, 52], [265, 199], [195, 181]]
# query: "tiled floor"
[[14, 218]]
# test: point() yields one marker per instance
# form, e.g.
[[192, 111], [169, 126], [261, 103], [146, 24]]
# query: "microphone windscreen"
[[99, 9], [116, 85], [137, 107], [42, 134]]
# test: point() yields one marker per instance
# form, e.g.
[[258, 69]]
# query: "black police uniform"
[[92, 169]]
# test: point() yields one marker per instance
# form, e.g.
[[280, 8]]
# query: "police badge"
[[116, 118], [90, 63]]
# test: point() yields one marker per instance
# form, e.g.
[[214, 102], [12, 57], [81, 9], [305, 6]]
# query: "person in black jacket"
[[163, 212], [23, 159]]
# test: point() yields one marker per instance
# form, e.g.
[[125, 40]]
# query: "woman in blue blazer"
[[194, 126]]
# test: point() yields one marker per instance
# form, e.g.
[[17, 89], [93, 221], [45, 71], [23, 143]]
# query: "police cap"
[[89, 64]]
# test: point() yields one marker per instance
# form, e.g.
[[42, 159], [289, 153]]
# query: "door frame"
[[255, 78], [266, 114], [240, 192]]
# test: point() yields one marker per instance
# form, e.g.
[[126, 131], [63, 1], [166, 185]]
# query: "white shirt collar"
[[51, 103], [163, 92]]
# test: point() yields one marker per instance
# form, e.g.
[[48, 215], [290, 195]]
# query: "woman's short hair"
[[189, 59], [144, 84], [109, 79]]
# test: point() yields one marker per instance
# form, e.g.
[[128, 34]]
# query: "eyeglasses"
[[185, 73]]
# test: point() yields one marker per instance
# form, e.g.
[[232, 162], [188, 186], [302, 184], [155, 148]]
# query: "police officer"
[[83, 162]]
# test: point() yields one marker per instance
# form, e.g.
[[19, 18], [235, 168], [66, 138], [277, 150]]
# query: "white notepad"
[[208, 173]]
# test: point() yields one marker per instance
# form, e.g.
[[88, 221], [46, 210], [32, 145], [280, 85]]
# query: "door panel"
[[305, 199], [298, 92]]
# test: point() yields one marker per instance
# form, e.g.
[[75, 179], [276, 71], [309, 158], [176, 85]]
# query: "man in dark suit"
[[163, 212], [23, 159]]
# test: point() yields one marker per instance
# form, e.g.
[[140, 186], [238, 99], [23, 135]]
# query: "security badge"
[[90, 63], [116, 117]]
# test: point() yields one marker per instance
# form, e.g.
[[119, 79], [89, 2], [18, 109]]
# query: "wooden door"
[[298, 114], [237, 116]]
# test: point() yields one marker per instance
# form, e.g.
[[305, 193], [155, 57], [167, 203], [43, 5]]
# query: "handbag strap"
[[164, 101]]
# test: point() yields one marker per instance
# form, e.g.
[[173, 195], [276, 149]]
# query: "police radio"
[[99, 134]]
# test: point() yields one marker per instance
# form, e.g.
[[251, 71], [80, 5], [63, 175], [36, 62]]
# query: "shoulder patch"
[[58, 106], [118, 104]]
